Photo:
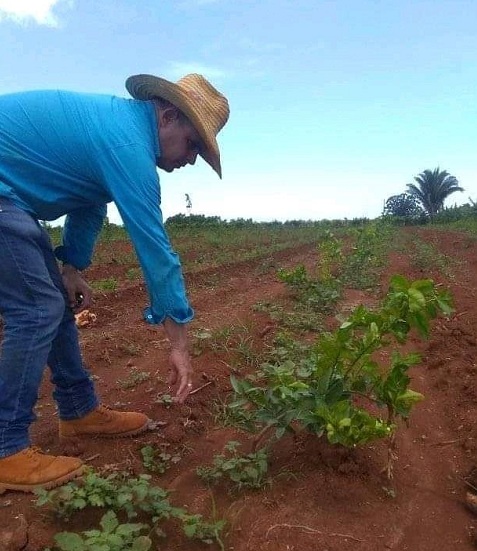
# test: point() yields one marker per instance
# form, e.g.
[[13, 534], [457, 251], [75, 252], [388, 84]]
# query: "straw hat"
[[205, 107]]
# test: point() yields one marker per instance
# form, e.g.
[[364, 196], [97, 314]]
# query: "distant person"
[[66, 153]]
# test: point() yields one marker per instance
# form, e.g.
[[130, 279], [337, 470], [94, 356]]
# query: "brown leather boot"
[[104, 422], [31, 469]]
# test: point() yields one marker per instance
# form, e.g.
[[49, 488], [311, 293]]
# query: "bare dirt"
[[321, 498]]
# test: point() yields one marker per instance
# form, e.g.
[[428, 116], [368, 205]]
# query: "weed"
[[133, 274], [235, 341], [201, 340], [107, 285], [331, 256], [113, 536], [130, 348], [315, 295], [165, 399], [227, 416], [361, 267], [134, 378], [300, 319], [244, 471], [427, 257], [126, 259], [158, 461], [207, 532], [118, 492]]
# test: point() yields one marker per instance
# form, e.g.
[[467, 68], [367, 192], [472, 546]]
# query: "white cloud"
[[23, 11], [179, 69]]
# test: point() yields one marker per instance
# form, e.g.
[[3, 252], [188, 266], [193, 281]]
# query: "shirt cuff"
[[179, 315]]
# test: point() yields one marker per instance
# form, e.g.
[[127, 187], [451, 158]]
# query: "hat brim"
[[148, 87]]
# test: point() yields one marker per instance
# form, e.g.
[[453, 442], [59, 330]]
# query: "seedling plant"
[[158, 461], [119, 493], [361, 267], [243, 471], [317, 292], [134, 378], [112, 536]]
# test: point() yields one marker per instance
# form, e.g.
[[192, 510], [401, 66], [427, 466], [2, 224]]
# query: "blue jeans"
[[39, 330]]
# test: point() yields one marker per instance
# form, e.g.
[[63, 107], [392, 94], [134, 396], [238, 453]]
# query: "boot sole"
[[45, 485], [88, 436]]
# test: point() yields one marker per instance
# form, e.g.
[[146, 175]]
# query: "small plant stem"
[[356, 393], [214, 518], [362, 353], [262, 433], [259, 436], [392, 455]]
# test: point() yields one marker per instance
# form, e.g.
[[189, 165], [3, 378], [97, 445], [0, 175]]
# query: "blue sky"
[[335, 105]]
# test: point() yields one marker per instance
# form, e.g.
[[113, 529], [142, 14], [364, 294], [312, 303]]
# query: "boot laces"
[[33, 451], [104, 410]]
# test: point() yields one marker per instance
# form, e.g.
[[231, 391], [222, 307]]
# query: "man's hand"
[[80, 294], [179, 359], [181, 373]]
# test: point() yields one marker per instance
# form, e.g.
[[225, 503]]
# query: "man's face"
[[179, 141]]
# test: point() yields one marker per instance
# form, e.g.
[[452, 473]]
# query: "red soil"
[[322, 498]]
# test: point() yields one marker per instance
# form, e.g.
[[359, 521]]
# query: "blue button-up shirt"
[[64, 153]]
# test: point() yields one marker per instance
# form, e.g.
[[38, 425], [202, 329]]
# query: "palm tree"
[[432, 189]]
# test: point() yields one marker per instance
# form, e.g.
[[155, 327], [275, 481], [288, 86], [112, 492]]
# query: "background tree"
[[403, 205], [432, 189]]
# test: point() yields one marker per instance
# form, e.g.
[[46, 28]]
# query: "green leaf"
[[69, 541], [129, 529], [190, 530], [399, 283], [417, 301], [419, 320], [426, 286], [109, 522], [346, 422], [142, 543], [445, 305], [335, 392], [279, 432], [235, 384], [408, 398]]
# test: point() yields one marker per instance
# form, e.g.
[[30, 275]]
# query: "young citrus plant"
[[325, 391]]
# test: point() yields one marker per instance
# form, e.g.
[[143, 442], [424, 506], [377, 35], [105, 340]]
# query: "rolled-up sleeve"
[[131, 177], [80, 232]]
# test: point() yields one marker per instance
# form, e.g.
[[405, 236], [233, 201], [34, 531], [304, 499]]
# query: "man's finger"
[[87, 299], [182, 393], [185, 387]]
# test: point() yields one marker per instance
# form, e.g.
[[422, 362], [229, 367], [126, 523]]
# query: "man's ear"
[[168, 116]]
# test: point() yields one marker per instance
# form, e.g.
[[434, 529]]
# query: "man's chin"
[[165, 167]]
